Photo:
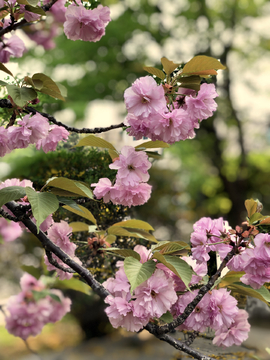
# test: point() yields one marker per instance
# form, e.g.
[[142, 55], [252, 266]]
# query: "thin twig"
[[55, 263], [31, 350]]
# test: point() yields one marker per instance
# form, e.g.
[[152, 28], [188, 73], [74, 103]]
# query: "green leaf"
[[119, 231], [92, 140], [113, 154], [35, 9], [21, 95], [251, 206], [142, 234], [52, 93], [167, 317], [79, 226], [3, 68], [63, 193], [110, 239], [153, 155], [136, 272], [3, 83], [177, 266], [49, 87], [202, 65], [173, 247], [42, 204], [153, 145], [262, 293], [83, 212], [193, 79], [10, 193], [231, 277], [68, 202], [72, 186], [195, 87], [154, 71], [255, 217], [168, 65], [73, 284], [38, 295], [137, 224], [55, 297], [123, 252]]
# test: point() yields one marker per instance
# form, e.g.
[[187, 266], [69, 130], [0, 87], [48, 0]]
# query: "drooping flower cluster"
[[27, 316], [254, 261], [150, 116], [130, 188], [59, 234], [86, 25], [157, 295], [31, 130]]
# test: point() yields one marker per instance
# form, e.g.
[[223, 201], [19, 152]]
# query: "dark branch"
[[50, 246], [191, 337], [49, 5], [177, 344], [190, 307], [55, 263], [71, 128]]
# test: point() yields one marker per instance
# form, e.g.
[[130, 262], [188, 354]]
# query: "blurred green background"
[[211, 175]]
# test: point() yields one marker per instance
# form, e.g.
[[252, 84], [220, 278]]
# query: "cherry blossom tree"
[[160, 287]]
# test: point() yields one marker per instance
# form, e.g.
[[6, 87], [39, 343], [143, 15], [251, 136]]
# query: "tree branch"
[[50, 246], [55, 263]]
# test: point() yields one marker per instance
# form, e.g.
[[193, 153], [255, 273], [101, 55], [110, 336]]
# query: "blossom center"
[[131, 167], [145, 100], [153, 294]]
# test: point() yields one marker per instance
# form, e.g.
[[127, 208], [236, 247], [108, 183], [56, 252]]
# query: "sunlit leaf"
[[83, 212], [265, 221], [72, 186], [143, 234], [172, 247], [73, 284], [78, 226], [230, 278], [110, 239], [154, 71], [202, 65], [35, 9], [113, 154], [262, 293], [137, 224], [137, 272], [168, 65], [153, 145], [3, 68], [251, 206], [92, 140]]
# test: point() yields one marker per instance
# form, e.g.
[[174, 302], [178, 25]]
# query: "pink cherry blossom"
[[236, 334], [145, 97], [202, 106], [58, 308], [44, 37], [14, 46], [4, 142], [222, 308], [121, 312], [131, 195], [16, 182], [38, 126], [29, 282], [49, 143], [172, 126], [156, 295], [139, 126], [58, 10], [102, 189], [59, 234], [86, 25], [9, 230], [132, 166], [19, 137]]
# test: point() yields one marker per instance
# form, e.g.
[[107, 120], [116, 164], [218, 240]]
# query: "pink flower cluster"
[[59, 234], [31, 130], [254, 261], [27, 316], [86, 25], [130, 188], [152, 298], [12, 46], [9, 230], [217, 310], [207, 233], [149, 115], [157, 295]]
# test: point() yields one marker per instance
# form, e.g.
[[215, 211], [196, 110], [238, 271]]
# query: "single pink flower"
[[86, 25], [49, 143], [13, 46], [145, 97], [102, 189], [132, 166], [9, 230]]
